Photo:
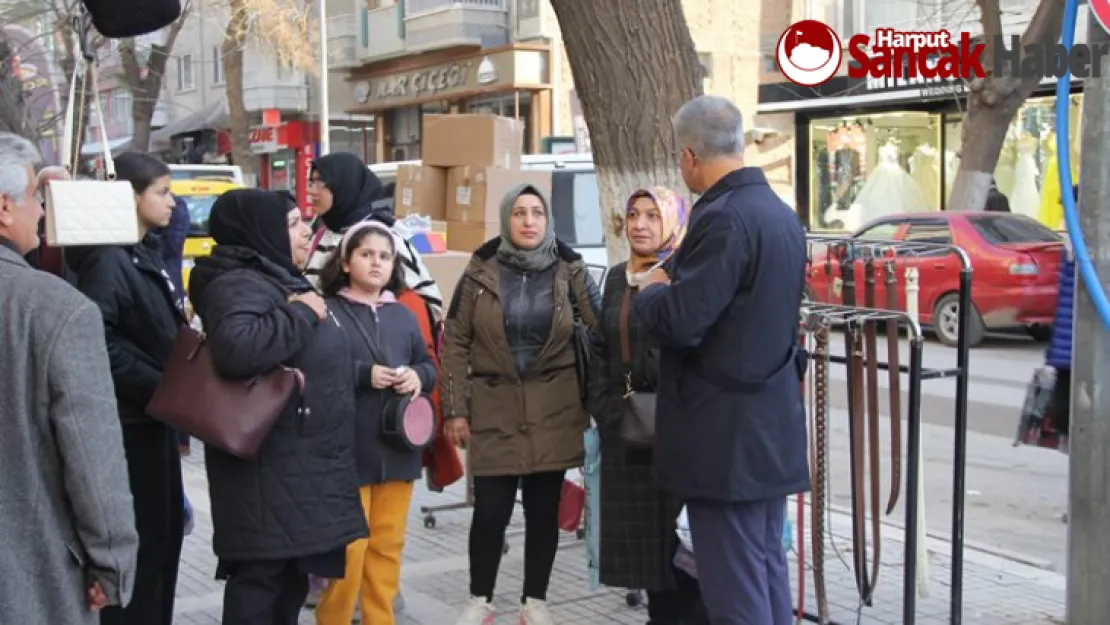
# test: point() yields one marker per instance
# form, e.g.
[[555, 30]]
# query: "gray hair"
[[710, 126], [16, 154]]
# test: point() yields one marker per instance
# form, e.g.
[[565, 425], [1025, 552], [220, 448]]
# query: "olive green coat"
[[517, 426]]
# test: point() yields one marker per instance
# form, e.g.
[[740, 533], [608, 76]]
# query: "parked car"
[[1014, 259]]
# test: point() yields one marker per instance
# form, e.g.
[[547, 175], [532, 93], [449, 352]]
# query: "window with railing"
[[416, 8]]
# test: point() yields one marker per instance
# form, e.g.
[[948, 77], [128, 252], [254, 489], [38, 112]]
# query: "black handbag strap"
[[376, 351]]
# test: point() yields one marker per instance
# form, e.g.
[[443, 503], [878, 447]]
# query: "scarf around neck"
[[538, 258]]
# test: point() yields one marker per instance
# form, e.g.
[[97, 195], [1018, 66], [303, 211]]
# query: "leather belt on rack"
[[853, 348], [820, 465], [874, 446], [895, 383]]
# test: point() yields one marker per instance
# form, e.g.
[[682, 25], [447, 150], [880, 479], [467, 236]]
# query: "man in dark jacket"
[[730, 422]]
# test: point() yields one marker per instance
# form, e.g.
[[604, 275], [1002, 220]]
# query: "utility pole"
[[325, 104], [1089, 462]]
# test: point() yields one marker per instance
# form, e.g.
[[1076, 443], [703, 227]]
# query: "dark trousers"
[[264, 593], [494, 499], [742, 567], [155, 585], [681, 606]]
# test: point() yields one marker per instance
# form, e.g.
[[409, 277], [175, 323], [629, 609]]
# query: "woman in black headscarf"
[[291, 511], [343, 191]]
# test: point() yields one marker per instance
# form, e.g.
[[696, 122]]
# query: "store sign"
[[935, 87], [420, 83], [265, 140]]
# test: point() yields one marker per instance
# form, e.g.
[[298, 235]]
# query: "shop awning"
[[214, 117], [93, 148]]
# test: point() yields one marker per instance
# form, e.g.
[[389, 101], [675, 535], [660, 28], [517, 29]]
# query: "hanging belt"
[[874, 446], [853, 347], [820, 465], [895, 383]]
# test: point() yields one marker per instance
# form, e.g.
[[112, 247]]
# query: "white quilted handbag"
[[89, 212]]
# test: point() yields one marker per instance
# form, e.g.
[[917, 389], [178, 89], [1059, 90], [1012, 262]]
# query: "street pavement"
[[1014, 500], [999, 587]]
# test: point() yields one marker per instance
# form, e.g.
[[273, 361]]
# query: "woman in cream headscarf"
[[637, 537]]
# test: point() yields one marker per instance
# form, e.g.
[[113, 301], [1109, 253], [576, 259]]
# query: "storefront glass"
[[868, 166], [354, 138], [1026, 171]]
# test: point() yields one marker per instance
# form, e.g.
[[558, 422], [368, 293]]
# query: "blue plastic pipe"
[[1063, 159]]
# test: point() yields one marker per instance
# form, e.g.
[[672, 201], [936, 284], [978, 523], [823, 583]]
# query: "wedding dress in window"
[[1025, 196], [888, 190], [925, 169]]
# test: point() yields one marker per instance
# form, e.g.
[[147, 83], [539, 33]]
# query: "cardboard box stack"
[[469, 163]]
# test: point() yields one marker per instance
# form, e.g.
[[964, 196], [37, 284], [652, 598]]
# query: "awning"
[[94, 148], [214, 117]]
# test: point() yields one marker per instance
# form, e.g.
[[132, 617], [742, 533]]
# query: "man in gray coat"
[[67, 525]]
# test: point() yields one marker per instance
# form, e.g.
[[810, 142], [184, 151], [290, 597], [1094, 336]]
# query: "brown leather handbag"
[[234, 416], [638, 419]]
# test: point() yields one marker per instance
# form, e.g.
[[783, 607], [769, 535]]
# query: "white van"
[[575, 202]]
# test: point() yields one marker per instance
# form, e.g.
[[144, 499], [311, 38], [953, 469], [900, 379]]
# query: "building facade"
[[821, 146], [396, 60], [279, 101]]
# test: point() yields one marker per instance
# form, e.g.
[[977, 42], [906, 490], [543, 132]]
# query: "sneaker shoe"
[[478, 611], [534, 612]]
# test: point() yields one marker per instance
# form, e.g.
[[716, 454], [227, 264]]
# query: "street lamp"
[[325, 123]]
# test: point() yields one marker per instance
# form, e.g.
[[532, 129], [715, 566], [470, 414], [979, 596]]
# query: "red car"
[[1015, 261]]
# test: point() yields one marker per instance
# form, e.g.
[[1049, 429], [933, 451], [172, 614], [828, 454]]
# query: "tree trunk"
[[994, 101], [14, 116], [991, 107], [634, 64], [235, 41], [142, 114]]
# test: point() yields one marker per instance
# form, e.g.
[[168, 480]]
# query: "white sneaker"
[[478, 611], [534, 612]]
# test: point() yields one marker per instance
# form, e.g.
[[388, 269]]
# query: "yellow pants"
[[373, 573]]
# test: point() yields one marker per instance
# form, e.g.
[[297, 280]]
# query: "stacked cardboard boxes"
[[469, 163]]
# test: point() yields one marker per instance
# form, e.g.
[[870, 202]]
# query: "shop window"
[[1027, 167], [868, 167]]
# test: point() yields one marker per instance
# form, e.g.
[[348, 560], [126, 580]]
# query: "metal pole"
[[959, 458], [325, 105], [1089, 433]]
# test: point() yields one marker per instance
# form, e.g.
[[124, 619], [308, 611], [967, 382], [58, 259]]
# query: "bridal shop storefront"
[[869, 148]]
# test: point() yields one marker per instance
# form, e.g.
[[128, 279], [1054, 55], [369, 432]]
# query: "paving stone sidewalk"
[[435, 580]]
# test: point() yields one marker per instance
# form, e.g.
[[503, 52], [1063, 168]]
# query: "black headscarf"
[[257, 220], [356, 192]]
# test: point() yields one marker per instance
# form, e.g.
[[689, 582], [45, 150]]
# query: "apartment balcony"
[[381, 34], [441, 24], [288, 95], [343, 42]]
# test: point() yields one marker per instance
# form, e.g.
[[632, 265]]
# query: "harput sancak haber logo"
[[809, 53]]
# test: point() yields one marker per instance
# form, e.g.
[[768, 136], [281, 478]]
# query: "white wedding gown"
[[1025, 197], [925, 169], [889, 190]]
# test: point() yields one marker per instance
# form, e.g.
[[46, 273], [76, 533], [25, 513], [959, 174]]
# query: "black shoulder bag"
[[408, 420]]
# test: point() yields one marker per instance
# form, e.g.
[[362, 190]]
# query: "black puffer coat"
[[134, 292], [299, 497]]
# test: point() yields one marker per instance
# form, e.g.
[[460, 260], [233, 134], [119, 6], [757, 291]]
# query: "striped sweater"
[[417, 276]]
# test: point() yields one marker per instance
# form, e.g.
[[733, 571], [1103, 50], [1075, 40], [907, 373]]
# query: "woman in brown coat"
[[510, 390]]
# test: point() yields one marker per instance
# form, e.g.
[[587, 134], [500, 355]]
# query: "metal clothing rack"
[[910, 254]]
